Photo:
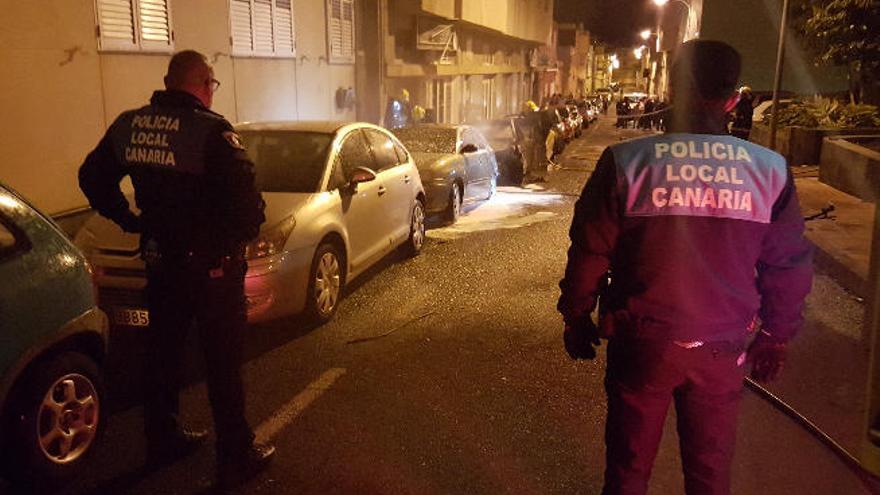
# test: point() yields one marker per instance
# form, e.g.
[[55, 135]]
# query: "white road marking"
[[284, 416]]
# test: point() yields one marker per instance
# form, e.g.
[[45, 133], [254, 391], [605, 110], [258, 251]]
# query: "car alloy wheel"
[[417, 229], [327, 283], [57, 419], [67, 422]]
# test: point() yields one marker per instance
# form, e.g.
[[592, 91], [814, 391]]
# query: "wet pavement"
[[445, 374]]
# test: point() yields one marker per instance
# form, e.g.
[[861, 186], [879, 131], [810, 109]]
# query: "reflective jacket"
[[193, 181], [701, 233]]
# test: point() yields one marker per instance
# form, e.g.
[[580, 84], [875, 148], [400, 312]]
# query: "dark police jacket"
[[193, 181], [701, 234]]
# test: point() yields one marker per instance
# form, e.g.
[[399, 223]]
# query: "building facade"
[[576, 58], [73, 65], [461, 60]]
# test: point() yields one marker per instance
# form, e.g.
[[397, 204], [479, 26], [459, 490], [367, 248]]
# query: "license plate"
[[131, 317]]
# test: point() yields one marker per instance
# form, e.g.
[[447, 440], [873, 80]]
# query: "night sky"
[[615, 22]]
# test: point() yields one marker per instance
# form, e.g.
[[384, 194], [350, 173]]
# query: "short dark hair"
[[182, 67], [709, 68]]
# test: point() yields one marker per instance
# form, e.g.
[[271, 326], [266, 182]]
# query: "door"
[[476, 187], [397, 180], [362, 207]]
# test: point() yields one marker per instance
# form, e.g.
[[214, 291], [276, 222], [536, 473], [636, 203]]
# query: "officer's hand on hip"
[[581, 338], [767, 357]]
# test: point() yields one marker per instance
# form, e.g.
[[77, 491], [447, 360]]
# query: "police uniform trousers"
[[642, 378], [181, 290]]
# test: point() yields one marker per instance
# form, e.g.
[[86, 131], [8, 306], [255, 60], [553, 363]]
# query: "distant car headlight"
[[270, 241]]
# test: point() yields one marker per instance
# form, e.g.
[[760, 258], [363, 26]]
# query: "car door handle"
[[382, 190]]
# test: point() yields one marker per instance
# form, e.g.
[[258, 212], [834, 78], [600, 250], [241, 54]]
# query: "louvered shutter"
[[340, 30], [242, 34], [155, 24], [262, 22], [284, 36], [134, 25], [116, 24]]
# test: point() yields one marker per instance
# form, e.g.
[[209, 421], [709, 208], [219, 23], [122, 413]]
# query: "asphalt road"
[[445, 374]]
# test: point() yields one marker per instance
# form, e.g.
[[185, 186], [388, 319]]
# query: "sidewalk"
[[826, 371], [842, 241]]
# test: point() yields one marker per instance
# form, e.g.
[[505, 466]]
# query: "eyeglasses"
[[213, 84]]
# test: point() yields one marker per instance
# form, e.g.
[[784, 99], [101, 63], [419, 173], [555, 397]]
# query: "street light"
[[645, 34]]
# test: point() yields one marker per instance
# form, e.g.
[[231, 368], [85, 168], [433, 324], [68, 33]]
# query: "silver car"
[[339, 197], [456, 164]]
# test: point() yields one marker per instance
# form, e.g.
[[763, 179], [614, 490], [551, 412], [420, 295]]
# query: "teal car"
[[52, 344]]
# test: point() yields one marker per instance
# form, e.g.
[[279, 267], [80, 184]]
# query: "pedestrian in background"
[[688, 277], [194, 186]]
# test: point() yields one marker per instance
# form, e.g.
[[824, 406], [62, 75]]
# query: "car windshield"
[[427, 139], [288, 161]]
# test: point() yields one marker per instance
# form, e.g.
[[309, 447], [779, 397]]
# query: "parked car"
[[339, 197], [456, 164], [566, 127], [575, 120], [505, 137], [54, 340]]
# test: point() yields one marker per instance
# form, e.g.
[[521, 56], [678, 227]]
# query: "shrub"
[[826, 112]]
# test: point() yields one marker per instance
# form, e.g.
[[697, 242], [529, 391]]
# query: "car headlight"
[[270, 241]]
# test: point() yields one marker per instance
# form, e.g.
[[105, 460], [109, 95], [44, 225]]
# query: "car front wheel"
[[326, 281], [416, 230], [56, 419]]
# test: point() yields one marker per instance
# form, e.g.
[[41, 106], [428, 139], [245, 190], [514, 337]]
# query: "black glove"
[[767, 355], [581, 338]]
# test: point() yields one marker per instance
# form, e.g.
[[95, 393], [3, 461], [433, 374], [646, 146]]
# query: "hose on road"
[[868, 479]]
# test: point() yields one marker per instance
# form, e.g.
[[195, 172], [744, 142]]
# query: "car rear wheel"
[[56, 419], [416, 230], [453, 210], [326, 281]]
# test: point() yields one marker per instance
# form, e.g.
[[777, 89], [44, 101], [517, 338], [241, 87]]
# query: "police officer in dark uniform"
[[194, 186], [703, 236]]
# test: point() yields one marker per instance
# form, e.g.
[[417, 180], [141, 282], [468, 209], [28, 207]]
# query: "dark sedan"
[[456, 164]]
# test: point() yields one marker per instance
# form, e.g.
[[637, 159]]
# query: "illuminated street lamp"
[[638, 52], [645, 34]]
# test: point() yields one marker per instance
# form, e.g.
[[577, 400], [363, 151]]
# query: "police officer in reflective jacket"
[[702, 235], [194, 186]]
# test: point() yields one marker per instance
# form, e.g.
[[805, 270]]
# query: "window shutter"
[[340, 30], [240, 17], [284, 34], [155, 25], [262, 22], [116, 22]]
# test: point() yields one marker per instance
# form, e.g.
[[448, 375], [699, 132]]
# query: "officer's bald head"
[[190, 71]]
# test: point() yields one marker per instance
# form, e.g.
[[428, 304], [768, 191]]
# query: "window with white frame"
[[340, 31], [134, 25], [439, 96], [262, 28]]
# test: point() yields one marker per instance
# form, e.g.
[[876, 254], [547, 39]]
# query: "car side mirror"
[[359, 175], [468, 148]]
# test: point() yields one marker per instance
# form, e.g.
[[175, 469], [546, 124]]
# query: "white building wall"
[[59, 93]]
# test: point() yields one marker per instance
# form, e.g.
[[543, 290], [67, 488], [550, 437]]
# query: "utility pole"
[[777, 80]]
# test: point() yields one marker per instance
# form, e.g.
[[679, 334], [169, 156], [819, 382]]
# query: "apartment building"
[[464, 60]]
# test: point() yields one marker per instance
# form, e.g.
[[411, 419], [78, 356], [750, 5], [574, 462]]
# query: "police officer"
[[194, 186], [702, 234]]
